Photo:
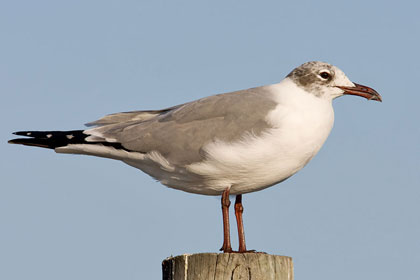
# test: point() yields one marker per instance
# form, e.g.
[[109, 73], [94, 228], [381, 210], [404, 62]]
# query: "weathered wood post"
[[224, 266]]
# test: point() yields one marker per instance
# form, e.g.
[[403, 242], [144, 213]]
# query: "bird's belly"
[[245, 167], [256, 163]]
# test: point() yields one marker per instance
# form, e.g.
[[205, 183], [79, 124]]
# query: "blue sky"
[[353, 212]]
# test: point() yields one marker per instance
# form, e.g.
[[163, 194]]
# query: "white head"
[[327, 81]]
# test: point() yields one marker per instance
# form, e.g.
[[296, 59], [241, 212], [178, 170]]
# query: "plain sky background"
[[352, 213]]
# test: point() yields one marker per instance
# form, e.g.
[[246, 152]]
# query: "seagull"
[[226, 144]]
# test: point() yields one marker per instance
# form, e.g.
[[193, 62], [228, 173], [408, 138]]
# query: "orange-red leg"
[[226, 248], [239, 209]]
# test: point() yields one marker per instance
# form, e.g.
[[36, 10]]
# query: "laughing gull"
[[231, 143]]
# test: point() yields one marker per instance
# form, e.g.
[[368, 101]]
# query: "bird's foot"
[[247, 251], [229, 250], [226, 249]]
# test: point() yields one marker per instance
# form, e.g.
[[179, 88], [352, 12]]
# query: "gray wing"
[[128, 117], [179, 133]]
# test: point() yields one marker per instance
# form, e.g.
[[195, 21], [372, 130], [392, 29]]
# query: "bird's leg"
[[239, 209], [226, 248]]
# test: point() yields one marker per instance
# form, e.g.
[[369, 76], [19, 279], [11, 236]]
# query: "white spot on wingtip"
[[70, 136], [49, 135], [28, 133]]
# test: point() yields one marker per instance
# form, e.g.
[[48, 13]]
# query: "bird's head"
[[327, 81]]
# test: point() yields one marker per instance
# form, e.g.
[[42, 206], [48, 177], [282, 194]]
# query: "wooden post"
[[233, 266]]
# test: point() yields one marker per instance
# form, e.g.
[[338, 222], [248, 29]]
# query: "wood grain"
[[234, 266]]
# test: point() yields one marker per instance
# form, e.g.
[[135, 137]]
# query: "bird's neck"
[[294, 101], [288, 92]]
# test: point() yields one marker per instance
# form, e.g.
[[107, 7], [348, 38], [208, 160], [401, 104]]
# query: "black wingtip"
[[55, 139], [34, 134], [25, 133], [14, 141], [22, 141], [49, 139], [31, 142]]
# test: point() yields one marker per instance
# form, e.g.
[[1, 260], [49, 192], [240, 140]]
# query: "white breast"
[[301, 123]]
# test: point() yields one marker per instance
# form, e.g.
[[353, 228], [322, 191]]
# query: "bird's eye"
[[325, 75]]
